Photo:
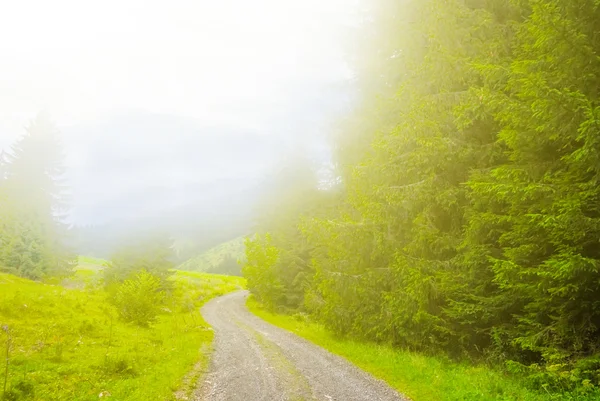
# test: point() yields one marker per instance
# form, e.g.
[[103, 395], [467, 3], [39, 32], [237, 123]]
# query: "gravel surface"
[[254, 360]]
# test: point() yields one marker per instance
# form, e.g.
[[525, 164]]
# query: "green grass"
[[70, 345], [422, 378], [90, 263], [198, 287], [86, 274]]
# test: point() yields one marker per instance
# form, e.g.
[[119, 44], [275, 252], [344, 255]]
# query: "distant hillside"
[[90, 263], [147, 187], [222, 259]]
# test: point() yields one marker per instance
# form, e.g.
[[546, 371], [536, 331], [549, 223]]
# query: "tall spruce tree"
[[537, 216], [33, 233]]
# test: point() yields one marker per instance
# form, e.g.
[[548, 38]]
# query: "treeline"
[[467, 221], [33, 234]]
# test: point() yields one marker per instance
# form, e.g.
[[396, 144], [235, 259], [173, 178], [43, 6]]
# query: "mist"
[[300, 200], [174, 118]]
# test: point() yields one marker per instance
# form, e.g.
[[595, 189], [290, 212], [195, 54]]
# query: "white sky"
[[78, 59], [260, 66]]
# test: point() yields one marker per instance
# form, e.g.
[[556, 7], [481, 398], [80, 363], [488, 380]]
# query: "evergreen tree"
[[470, 217], [536, 216], [32, 234]]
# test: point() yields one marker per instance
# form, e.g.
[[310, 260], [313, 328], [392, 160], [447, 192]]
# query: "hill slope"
[[221, 259]]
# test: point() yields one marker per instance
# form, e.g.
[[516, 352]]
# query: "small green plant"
[[26, 388], [58, 350], [139, 300], [120, 366]]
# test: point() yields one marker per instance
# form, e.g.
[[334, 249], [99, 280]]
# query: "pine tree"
[[537, 214], [32, 232], [470, 166]]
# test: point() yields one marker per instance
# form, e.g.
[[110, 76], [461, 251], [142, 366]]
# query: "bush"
[[139, 300]]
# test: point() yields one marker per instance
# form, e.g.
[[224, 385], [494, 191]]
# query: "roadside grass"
[[420, 377], [68, 344]]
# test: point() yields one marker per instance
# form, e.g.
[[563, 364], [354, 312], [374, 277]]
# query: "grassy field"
[[85, 273], [68, 344], [419, 377], [89, 263]]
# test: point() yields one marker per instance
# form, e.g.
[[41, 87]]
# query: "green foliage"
[[87, 262], [152, 255], [221, 259], [228, 266], [261, 258], [196, 287], [469, 226], [542, 202], [278, 259], [139, 299]]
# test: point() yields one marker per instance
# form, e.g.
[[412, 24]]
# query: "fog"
[[178, 109]]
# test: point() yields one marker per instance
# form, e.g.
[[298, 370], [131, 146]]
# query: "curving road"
[[254, 360]]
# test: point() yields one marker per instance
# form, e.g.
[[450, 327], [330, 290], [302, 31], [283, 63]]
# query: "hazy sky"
[[106, 71]]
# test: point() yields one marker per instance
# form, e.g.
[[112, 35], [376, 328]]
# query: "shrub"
[[139, 300]]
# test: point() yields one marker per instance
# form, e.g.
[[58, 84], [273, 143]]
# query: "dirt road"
[[254, 360]]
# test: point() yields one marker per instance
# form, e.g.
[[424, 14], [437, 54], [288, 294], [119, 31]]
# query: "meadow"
[[69, 343]]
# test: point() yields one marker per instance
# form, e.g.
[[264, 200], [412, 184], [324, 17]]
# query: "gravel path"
[[254, 360]]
